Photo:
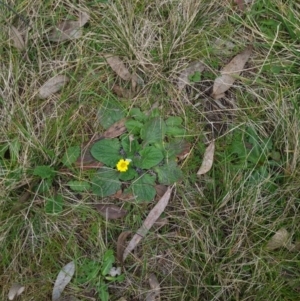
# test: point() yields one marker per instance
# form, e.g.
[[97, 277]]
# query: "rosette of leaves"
[[152, 145]]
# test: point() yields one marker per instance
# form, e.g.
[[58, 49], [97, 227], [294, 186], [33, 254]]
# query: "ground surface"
[[214, 246]]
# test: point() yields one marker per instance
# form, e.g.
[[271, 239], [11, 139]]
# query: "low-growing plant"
[[139, 159], [98, 274]]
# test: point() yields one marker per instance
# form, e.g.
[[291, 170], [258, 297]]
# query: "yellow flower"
[[122, 165]]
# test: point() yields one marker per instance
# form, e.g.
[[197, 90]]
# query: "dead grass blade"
[[118, 66], [148, 223], [208, 159], [110, 211], [53, 85], [154, 295], [15, 290], [121, 245], [230, 72], [17, 38], [183, 78]]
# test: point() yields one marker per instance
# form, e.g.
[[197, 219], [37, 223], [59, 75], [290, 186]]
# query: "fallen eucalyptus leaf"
[[278, 240], [63, 278], [208, 159], [118, 66], [148, 223], [230, 72], [160, 191], [116, 130], [52, 86], [240, 4], [110, 211], [83, 18], [16, 290], [121, 245], [17, 38], [154, 294], [69, 30], [121, 92], [183, 78]]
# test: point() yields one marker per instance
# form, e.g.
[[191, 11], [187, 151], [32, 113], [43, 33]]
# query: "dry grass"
[[214, 245]]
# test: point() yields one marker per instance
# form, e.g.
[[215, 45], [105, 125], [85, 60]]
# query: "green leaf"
[[108, 260], [71, 155], [143, 188], [44, 186], [107, 151], [130, 147], [155, 113], [174, 121], [44, 172], [79, 186], [110, 113], [105, 182], [103, 292], [150, 156], [169, 173], [137, 114], [196, 77], [128, 175], [153, 130], [87, 271], [54, 205], [175, 131], [133, 126]]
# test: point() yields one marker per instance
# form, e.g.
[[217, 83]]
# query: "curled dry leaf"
[[183, 78], [118, 66], [62, 280], [83, 18], [17, 38], [122, 92], [185, 150], [160, 191], [16, 290], [230, 72], [116, 130], [240, 4], [148, 223], [69, 30], [208, 159], [278, 240], [154, 294], [121, 245], [110, 211], [52, 86]]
